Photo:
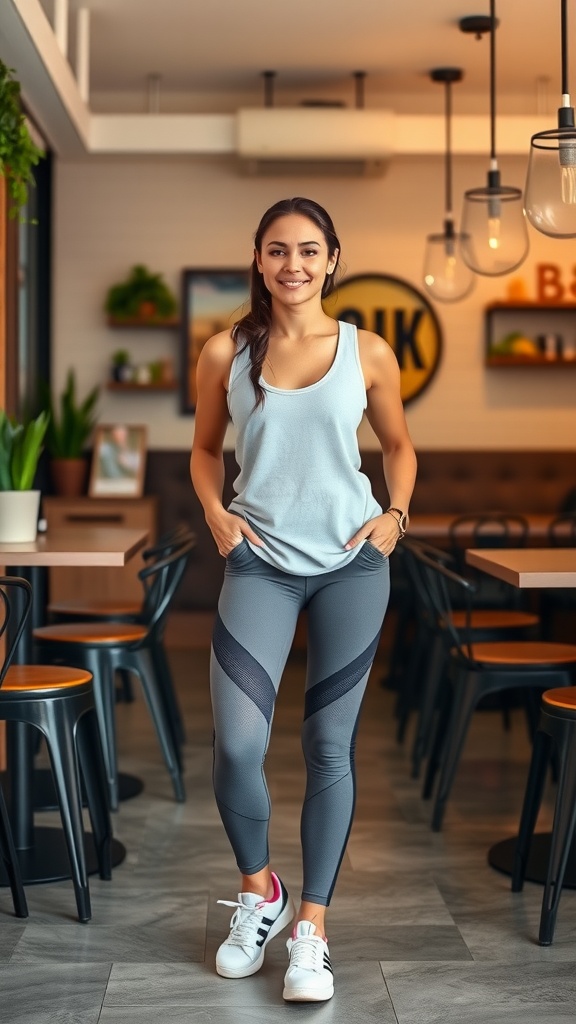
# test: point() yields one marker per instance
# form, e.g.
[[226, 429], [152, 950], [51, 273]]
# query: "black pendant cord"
[[448, 154], [564, 35], [493, 80]]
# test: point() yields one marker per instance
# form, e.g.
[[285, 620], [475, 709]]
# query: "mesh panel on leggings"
[[243, 669], [336, 685]]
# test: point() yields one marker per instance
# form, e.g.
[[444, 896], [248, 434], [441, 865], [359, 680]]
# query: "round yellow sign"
[[401, 315]]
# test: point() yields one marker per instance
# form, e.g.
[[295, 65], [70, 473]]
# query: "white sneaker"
[[255, 922], [309, 978]]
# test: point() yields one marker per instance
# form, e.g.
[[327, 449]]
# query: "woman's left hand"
[[382, 532]]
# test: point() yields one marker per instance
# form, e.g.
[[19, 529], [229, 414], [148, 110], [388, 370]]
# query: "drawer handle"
[[110, 517]]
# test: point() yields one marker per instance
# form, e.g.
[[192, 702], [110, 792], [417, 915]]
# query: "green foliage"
[[18, 154], [142, 296], [70, 424], [121, 357], [20, 450]]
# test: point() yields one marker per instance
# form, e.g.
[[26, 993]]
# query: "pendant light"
[[551, 179], [446, 276], [494, 234]]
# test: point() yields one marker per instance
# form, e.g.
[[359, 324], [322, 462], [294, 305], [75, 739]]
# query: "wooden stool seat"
[[41, 678], [563, 697], [495, 618], [105, 609], [524, 653], [91, 633]]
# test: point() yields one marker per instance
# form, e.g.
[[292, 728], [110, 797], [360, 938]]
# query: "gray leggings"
[[253, 633]]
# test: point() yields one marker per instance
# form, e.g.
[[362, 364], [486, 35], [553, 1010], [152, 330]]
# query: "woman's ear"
[[332, 262], [257, 261]]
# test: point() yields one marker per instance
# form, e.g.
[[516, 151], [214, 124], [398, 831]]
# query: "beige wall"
[[175, 213]]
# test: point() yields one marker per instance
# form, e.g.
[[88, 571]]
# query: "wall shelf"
[[115, 385], [547, 333], [141, 322]]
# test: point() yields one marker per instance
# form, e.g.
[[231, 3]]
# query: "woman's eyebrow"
[[314, 242]]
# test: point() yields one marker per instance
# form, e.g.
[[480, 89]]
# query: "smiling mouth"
[[293, 284]]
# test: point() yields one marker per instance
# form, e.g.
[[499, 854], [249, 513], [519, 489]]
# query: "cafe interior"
[[441, 139]]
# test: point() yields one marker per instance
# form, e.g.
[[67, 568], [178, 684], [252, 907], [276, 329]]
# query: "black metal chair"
[[10, 860], [557, 603], [476, 669], [556, 733], [59, 702], [105, 647], [139, 613], [488, 530], [432, 644]]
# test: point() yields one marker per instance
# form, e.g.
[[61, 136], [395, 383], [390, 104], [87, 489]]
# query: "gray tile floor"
[[421, 929]]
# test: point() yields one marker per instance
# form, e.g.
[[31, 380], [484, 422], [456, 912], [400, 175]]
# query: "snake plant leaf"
[[26, 452]]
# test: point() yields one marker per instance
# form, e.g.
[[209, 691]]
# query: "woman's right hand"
[[229, 530]]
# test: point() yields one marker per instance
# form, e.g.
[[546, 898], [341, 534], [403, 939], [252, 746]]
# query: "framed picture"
[[118, 461], [212, 301]]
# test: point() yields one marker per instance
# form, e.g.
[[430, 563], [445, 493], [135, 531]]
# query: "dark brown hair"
[[253, 330]]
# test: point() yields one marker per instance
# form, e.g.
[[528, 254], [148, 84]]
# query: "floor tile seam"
[[389, 994]]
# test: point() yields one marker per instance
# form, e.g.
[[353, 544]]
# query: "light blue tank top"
[[300, 487]]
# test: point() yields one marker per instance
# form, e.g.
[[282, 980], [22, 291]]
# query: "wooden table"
[[42, 852], [526, 568]]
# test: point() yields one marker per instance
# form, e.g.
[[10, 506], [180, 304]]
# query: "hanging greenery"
[[18, 153]]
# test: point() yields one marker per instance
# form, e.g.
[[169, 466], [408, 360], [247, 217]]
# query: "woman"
[[303, 531]]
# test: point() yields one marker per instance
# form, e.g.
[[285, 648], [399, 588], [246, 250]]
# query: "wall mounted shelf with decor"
[[116, 385], [143, 322], [523, 333]]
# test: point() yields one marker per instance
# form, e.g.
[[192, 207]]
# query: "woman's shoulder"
[[373, 346], [219, 350]]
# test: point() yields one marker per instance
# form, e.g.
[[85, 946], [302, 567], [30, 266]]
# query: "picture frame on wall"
[[212, 301], [118, 461]]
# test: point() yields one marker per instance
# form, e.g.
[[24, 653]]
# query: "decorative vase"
[[19, 516], [69, 477]]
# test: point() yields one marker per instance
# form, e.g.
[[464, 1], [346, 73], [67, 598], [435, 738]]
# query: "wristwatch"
[[402, 519]]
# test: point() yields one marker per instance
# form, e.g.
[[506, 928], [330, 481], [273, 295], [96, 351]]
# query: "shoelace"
[[244, 930], [307, 953]]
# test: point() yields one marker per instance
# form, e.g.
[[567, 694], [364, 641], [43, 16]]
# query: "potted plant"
[[70, 424], [20, 449], [142, 298], [18, 154], [121, 369]]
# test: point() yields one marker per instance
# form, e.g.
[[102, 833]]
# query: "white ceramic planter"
[[19, 516]]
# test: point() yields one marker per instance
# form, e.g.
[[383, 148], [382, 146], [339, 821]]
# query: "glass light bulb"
[[494, 224], [567, 157]]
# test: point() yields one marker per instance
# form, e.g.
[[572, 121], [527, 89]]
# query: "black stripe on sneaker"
[[327, 964], [262, 932]]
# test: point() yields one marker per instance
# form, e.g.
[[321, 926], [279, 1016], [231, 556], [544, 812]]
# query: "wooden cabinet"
[[545, 334], [95, 583]]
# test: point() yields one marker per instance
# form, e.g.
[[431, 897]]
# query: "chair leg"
[[465, 700], [438, 739], [98, 663], [141, 663], [531, 806], [408, 687], [562, 833], [59, 734], [94, 775], [125, 690], [10, 859]]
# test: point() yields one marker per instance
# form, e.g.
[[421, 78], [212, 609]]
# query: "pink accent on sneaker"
[[277, 890]]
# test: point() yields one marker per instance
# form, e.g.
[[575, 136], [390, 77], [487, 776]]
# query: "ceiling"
[[207, 54]]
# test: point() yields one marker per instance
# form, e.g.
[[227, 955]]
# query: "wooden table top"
[[527, 567], [87, 545]]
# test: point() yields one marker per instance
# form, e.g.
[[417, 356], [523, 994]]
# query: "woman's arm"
[[206, 461], [385, 413]]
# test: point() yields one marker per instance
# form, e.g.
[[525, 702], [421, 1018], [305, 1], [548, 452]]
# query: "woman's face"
[[294, 259]]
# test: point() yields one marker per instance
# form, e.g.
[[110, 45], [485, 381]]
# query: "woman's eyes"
[[282, 252]]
